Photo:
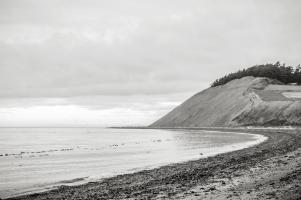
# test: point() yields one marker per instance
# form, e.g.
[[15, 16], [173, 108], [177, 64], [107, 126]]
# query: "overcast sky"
[[101, 63]]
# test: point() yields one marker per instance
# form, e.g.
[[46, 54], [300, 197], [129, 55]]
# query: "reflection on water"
[[34, 159]]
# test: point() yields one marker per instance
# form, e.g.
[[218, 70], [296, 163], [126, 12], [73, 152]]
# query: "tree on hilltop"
[[277, 71]]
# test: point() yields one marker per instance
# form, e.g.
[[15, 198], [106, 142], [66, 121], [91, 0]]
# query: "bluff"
[[248, 101]]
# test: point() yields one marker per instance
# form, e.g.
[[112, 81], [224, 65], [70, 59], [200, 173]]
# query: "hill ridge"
[[240, 102]]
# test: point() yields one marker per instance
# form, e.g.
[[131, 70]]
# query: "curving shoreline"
[[218, 177]]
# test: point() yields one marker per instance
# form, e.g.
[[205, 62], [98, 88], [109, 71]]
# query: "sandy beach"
[[270, 170]]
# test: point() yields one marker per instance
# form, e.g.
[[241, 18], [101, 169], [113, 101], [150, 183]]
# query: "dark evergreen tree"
[[282, 73]]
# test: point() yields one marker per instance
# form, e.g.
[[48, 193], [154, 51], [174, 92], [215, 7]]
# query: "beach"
[[270, 170], [34, 160]]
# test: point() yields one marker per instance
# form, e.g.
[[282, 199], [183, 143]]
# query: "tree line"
[[277, 71]]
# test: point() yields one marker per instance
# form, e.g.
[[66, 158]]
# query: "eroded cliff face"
[[247, 101]]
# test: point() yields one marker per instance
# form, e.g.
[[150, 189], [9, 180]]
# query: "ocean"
[[39, 159]]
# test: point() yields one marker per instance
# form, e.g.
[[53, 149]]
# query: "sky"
[[122, 63]]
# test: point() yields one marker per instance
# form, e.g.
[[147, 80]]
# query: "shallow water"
[[37, 159]]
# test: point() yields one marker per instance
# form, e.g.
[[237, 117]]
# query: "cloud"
[[60, 48], [72, 115], [83, 111]]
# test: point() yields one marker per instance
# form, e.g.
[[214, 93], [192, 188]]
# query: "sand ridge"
[[248, 101]]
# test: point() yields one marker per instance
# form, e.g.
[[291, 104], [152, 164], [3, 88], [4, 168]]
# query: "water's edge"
[[84, 180]]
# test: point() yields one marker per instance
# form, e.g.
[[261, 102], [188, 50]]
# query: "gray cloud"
[[77, 48]]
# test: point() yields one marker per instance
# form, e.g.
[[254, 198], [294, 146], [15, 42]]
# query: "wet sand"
[[270, 170]]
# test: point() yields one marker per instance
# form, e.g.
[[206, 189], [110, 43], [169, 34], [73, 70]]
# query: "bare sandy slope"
[[270, 170], [240, 102]]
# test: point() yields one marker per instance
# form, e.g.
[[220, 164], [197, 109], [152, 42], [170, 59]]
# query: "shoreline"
[[178, 181], [98, 176]]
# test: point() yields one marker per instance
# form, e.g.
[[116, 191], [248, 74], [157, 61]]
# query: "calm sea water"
[[37, 159]]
